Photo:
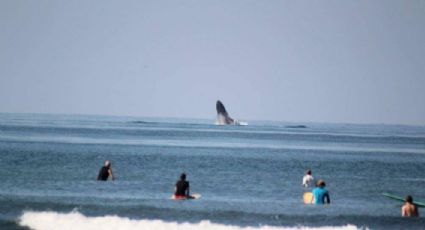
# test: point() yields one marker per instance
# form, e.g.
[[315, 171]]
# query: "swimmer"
[[409, 209], [105, 172], [320, 194], [182, 188], [308, 179]]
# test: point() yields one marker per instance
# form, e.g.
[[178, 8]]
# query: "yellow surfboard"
[[308, 198]]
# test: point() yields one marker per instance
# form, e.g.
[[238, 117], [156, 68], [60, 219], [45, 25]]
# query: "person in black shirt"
[[182, 188], [105, 172]]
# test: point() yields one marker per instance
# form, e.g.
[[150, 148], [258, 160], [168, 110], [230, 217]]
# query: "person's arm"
[[328, 200], [304, 182], [187, 190], [111, 174], [403, 211]]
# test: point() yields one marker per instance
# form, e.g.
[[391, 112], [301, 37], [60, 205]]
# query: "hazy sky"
[[326, 61]]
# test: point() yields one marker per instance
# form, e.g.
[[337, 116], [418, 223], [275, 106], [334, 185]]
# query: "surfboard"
[[193, 196], [399, 198], [308, 198]]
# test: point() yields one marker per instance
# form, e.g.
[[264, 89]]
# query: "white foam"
[[77, 221]]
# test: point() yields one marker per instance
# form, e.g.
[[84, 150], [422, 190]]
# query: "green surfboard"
[[399, 198]]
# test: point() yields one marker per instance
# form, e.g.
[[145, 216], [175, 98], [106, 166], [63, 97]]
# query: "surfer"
[[182, 188], [105, 172], [320, 194], [409, 209], [308, 179]]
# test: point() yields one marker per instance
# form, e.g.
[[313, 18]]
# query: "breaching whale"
[[223, 117]]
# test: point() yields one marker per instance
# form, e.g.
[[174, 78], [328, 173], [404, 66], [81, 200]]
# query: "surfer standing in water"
[[308, 179], [105, 172], [320, 194], [182, 188], [409, 209]]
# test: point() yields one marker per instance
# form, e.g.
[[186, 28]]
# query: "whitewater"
[[77, 221]]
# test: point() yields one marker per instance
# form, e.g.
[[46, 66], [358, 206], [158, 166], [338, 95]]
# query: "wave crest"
[[75, 220]]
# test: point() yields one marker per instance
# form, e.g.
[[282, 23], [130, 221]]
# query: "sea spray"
[[76, 221]]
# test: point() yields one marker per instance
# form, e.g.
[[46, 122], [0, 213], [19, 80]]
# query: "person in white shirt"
[[308, 179]]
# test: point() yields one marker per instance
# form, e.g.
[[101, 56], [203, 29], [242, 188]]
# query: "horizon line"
[[194, 118]]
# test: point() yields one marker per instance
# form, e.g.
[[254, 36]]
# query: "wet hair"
[[320, 183], [183, 176], [308, 172], [409, 199]]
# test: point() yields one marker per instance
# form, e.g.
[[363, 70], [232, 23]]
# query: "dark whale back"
[[222, 114], [220, 109]]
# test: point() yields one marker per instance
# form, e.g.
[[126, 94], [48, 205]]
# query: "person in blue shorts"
[[320, 194]]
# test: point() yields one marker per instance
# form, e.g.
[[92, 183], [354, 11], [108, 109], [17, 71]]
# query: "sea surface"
[[249, 176]]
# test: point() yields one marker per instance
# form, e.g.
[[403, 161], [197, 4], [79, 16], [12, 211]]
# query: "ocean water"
[[249, 176]]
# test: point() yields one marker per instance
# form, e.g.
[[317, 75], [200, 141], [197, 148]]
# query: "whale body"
[[223, 117]]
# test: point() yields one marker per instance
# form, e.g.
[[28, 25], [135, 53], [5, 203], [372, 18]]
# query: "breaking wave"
[[74, 220]]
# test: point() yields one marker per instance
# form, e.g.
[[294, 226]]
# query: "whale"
[[223, 117]]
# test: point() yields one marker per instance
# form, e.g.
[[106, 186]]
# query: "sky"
[[298, 61]]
